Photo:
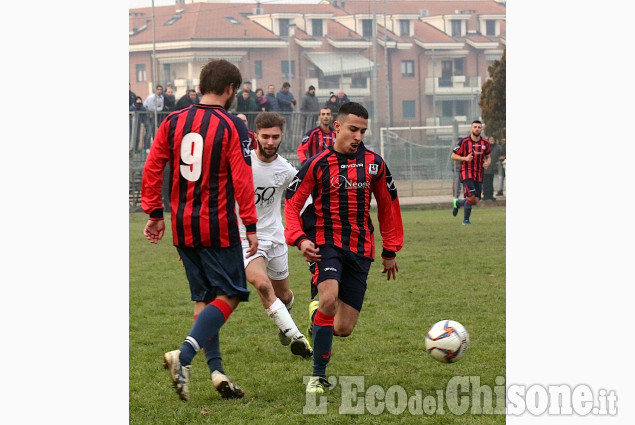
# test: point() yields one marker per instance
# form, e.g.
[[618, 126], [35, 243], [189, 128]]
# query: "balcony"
[[455, 85]]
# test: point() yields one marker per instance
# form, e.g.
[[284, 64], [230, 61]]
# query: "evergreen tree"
[[493, 100]]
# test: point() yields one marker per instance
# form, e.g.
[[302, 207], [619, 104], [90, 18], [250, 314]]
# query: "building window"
[[167, 72], [140, 70], [286, 72], [359, 81], [456, 27], [408, 109], [258, 70], [490, 27], [461, 107], [458, 67], [404, 27], [283, 25], [316, 28], [408, 68], [367, 27]]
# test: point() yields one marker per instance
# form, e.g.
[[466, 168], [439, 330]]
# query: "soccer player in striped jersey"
[[335, 232], [207, 149], [252, 139], [268, 268], [473, 154], [317, 139]]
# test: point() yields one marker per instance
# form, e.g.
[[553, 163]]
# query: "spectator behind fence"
[[332, 104], [310, 102], [131, 96], [245, 103], [154, 101], [491, 171], [341, 98], [272, 99], [285, 98], [169, 101], [503, 163], [188, 99], [143, 129], [247, 88], [262, 101]]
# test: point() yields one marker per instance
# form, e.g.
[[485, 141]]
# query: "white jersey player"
[[268, 269]]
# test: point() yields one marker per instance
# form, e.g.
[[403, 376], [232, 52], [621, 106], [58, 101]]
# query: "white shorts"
[[275, 255]]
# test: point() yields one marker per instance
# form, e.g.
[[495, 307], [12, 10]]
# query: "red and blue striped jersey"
[[341, 187], [210, 171], [472, 169], [314, 141]]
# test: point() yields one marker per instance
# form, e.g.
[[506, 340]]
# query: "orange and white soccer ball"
[[447, 341]]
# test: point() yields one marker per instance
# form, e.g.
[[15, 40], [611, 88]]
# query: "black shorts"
[[349, 269], [472, 188], [215, 271]]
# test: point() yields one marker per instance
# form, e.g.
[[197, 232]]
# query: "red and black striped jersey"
[[253, 143], [210, 170], [315, 141], [472, 169], [341, 187]]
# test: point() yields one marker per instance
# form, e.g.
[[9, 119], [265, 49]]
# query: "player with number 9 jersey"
[[207, 150]]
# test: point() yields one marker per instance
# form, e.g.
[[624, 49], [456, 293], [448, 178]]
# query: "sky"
[[132, 4]]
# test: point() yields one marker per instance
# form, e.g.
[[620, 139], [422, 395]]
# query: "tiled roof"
[[429, 34], [210, 21], [434, 7]]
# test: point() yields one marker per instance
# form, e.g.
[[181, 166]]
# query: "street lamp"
[[291, 34]]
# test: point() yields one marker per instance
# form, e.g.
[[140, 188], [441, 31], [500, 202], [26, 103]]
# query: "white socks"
[[281, 317]]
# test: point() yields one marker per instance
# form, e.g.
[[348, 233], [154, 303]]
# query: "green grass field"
[[446, 271]]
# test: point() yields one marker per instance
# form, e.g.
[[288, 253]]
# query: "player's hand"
[[154, 230], [390, 267], [469, 157], [253, 244], [309, 251]]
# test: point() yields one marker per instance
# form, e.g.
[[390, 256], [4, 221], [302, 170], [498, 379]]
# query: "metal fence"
[[418, 157]]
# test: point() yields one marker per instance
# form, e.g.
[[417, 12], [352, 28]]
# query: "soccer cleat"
[[313, 305], [466, 222], [455, 207], [180, 374], [225, 386], [284, 340], [317, 385], [300, 347]]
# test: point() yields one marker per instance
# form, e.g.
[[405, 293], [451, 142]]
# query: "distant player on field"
[[335, 233], [473, 154], [268, 268], [317, 139], [208, 152]]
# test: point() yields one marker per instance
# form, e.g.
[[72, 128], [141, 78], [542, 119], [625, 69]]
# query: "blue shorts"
[[215, 271], [349, 269], [472, 188]]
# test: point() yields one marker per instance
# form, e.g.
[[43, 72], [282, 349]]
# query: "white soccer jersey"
[[270, 181]]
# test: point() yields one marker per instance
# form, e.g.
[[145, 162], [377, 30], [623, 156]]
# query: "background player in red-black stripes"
[[208, 152], [473, 154], [317, 139], [340, 241]]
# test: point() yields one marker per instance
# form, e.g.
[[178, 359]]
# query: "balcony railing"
[[458, 84]]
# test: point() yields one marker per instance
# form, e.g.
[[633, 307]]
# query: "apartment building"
[[432, 56]]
